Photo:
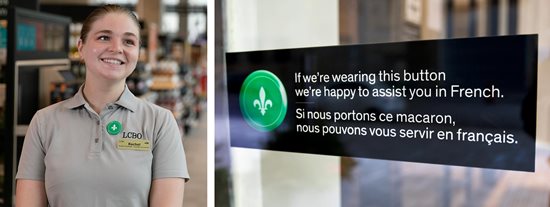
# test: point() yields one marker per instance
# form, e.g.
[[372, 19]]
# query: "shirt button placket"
[[97, 138]]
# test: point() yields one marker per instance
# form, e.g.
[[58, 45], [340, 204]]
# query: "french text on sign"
[[493, 92]]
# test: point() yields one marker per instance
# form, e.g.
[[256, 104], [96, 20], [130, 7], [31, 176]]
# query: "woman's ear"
[[79, 45]]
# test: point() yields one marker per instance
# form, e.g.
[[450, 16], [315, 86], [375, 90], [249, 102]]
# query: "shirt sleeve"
[[31, 163], [168, 152]]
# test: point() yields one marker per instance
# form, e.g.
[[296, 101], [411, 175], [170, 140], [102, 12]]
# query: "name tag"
[[140, 144]]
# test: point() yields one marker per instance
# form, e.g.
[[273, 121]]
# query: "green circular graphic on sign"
[[114, 127], [263, 100]]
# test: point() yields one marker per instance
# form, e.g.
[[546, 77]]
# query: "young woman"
[[103, 147]]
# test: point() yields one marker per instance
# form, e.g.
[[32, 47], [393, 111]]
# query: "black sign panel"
[[468, 102]]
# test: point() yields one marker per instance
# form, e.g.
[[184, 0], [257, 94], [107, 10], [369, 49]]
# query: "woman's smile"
[[112, 61]]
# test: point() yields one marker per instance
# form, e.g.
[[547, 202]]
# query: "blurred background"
[[251, 177]]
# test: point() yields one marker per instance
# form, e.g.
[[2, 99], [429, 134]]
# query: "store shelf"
[[158, 86]]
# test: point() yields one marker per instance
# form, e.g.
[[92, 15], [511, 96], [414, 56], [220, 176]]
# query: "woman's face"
[[111, 48]]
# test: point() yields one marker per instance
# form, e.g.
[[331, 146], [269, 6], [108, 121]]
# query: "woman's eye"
[[103, 38], [129, 42]]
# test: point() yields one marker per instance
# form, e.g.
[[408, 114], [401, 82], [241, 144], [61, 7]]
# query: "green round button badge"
[[114, 127], [263, 100]]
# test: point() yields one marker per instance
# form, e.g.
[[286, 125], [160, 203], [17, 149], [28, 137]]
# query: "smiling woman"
[[109, 47], [104, 146]]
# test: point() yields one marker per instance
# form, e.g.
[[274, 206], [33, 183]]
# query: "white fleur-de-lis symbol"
[[114, 127], [262, 103]]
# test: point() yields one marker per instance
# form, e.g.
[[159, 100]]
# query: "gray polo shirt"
[[110, 159]]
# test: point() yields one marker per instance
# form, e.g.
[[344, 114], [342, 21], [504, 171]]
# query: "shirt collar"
[[77, 100], [126, 100]]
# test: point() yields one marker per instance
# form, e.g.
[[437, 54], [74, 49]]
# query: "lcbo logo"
[[132, 135], [263, 100]]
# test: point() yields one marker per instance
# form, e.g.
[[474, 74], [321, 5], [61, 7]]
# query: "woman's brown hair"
[[102, 11]]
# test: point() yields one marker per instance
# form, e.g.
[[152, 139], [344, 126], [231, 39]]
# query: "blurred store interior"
[[171, 72], [251, 177]]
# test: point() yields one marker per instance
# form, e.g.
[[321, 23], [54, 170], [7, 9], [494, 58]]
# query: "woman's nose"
[[116, 46]]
